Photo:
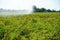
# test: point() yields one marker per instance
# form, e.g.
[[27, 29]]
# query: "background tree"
[[48, 10], [53, 10], [42, 10], [59, 11], [34, 8]]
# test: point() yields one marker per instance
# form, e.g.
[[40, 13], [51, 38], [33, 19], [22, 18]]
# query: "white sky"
[[27, 4]]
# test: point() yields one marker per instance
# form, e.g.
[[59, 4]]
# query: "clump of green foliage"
[[36, 26]]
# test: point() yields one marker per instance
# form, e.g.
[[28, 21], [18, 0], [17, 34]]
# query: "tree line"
[[35, 9]]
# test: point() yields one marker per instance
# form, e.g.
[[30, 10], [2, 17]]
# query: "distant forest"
[[35, 9], [9, 10]]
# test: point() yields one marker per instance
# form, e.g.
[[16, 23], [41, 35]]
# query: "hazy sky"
[[27, 4]]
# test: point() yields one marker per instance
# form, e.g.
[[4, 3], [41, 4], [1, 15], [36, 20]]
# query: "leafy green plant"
[[36, 26]]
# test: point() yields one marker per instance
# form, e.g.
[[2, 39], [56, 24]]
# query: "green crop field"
[[35, 26]]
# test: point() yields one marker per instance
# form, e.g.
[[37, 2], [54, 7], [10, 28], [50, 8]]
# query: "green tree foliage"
[[35, 9], [49, 10]]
